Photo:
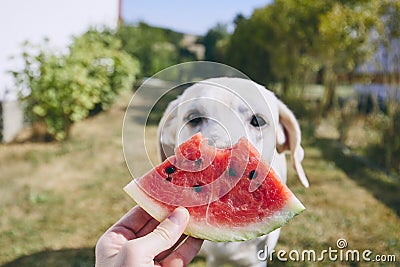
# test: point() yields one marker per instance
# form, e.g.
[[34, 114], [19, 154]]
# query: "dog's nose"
[[219, 142], [220, 134]]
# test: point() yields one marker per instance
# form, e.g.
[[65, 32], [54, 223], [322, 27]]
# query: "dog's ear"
[[167, 130], [289, 138]]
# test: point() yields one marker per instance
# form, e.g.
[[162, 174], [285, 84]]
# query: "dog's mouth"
[[219, 143]]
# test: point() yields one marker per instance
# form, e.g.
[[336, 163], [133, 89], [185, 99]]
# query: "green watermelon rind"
[[199, 228]]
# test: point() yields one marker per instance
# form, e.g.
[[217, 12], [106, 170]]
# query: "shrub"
[[387, 150], [347, 116], [59, 89]]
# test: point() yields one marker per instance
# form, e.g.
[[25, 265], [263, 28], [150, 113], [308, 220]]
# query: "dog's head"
[[224, 110]]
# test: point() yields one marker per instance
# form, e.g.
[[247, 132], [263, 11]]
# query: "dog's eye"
[[195, 119], [257, 121]]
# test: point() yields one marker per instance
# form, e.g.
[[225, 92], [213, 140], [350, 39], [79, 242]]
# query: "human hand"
[[139, 240]]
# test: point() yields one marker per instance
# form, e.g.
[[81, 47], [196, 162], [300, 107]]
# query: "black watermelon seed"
[[169, 179], [198, 162], [197, 188], [232, 172], [170, 170], [253, 174]]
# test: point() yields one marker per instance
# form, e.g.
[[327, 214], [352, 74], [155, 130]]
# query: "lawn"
[[56, 199]]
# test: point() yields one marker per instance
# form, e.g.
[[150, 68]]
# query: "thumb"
[[167, 232]]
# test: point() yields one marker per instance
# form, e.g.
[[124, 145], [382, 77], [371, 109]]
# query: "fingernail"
[[179, 216]]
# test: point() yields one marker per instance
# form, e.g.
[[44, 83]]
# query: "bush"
[[59, 89], [155, 48], [347, 116], [387, 150]]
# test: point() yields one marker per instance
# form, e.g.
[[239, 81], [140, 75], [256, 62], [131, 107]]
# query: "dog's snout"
[[219, 142]]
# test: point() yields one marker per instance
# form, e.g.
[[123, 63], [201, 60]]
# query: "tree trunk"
[[285, 87], [329, 98]]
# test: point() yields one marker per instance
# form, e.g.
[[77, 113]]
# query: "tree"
[[277, 41], [155, 48], [59, 89], [289, 41], [215, 42], [388, 58], [148, 45], [387, 151], [247, 51], [291, 47], [345, 41]]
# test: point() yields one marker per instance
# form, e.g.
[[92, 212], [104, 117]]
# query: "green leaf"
[[39, 110], [63, 88]]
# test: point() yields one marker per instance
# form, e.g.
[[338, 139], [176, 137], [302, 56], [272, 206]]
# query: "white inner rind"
[[200, 228]]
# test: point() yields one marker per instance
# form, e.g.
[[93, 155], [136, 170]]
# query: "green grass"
[[339, 207], [56, 199]]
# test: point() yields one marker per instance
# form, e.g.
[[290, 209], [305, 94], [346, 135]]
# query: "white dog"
[[223, 110]]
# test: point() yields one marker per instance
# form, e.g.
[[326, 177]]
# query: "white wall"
[[13, 119], [33, 20]]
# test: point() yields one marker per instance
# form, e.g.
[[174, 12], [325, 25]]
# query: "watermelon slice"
[[231, 194]]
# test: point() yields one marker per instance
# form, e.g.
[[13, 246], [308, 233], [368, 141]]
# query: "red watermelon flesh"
[[231, 194]]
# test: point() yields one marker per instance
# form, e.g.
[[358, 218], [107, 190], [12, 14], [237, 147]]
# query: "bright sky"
[[22, 20], [195, 17]]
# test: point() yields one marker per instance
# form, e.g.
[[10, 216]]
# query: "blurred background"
[[69, 68]]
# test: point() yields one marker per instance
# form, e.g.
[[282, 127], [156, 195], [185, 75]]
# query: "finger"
[[165, 253], [148, 228], [166, 234], [131, 223], [135, 219], [184, 254], [125, 229]]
